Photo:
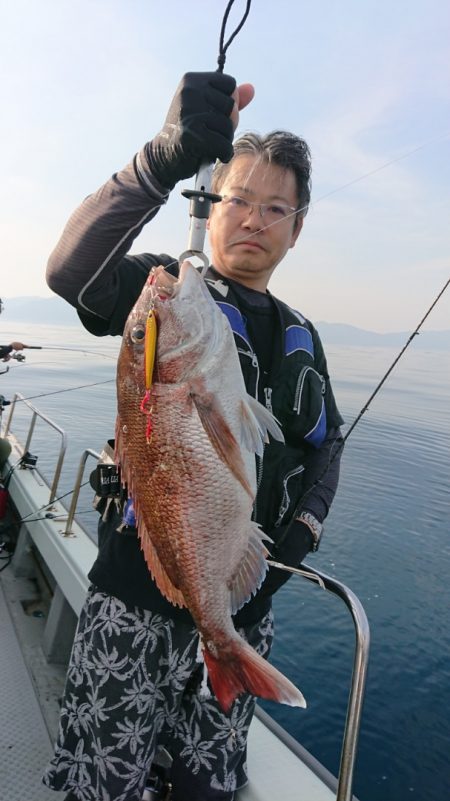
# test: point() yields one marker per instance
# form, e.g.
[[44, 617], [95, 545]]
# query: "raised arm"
[[83, 267]]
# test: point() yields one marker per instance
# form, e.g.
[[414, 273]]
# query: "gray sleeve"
[[83, 266], [322, 476]]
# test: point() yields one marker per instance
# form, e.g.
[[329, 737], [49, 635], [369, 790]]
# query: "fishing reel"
[[19, 357]]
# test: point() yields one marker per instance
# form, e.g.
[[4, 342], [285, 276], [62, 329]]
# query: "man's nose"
[[253, 217]]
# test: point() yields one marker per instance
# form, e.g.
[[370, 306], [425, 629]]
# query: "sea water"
[[387, 538]]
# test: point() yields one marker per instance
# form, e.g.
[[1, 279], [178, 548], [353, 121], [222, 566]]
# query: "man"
[[133, 683], [5, 350]]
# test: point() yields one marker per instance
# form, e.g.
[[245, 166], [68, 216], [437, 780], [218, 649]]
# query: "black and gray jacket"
[[90, 268], [298, 394]]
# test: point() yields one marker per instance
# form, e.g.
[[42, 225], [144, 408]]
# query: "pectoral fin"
[[220, 434], [260, 422], [252, 569]]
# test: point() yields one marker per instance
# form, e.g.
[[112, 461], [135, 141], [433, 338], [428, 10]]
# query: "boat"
[[46, 554]]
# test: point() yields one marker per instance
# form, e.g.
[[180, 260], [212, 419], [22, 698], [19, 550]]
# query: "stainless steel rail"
[[36, 413], [77, 487], [359, 673], [362, 632]]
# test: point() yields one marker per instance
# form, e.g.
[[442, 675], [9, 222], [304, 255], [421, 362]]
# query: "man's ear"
[[298, 225]]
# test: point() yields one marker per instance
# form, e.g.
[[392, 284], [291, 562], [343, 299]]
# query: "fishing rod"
[[20, 357], [341, 442]]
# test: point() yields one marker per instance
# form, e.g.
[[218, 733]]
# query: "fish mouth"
[[161, 287], [165, 288]]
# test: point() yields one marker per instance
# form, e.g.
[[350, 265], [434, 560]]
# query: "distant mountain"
[[56, 311], [342, 334], [47, 311]]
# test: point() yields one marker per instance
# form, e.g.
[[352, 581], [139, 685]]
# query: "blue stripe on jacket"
[[236, 321], [317, 434], [298, 338]]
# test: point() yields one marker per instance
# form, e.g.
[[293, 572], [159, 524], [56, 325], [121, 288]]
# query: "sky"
[[86, 83]]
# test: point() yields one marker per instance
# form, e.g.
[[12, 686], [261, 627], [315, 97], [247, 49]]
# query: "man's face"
[[244, 247]]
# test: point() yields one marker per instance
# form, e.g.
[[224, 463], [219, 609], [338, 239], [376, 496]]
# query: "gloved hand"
[[291, 544], [198, 128]]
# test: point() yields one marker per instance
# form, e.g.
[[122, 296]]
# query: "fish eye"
[[138, 333]]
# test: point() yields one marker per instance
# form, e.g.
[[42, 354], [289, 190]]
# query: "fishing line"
[[47, 505], [80, 350], [303, 209], [23, 365], [51, 516], [50, 504], [383, 166], [69, 389]]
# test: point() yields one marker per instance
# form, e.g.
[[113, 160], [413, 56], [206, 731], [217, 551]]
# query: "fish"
[[186, 439]]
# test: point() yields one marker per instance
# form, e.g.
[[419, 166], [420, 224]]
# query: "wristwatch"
[[314, 526]]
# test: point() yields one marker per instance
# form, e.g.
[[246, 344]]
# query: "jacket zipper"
[[284, 506], [268, 398], [259, 475], [252, 356], [300, 385]]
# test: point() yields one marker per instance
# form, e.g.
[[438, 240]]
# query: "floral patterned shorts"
[[134, 685]]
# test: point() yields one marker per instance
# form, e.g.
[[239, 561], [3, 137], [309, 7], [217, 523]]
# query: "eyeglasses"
[[271, 212]]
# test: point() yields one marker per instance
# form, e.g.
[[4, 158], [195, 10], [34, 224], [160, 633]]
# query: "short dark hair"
[[278, 147]]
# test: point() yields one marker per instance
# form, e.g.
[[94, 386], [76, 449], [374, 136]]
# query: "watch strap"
[[314, 526]]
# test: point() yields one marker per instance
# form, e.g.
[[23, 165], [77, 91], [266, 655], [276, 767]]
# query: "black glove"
[[198, 128], [291, 544]]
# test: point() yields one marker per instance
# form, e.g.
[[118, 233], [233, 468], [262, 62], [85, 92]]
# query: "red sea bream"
[[186, 449]]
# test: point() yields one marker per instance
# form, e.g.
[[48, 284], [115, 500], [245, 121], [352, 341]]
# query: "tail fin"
[[244, 670]]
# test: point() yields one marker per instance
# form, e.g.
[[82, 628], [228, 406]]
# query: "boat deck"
[[25, 743], [42, 591]]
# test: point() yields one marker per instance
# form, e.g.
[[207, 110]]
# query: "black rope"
[[223, 47]]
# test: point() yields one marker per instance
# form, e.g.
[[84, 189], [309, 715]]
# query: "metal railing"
[[361, 624], [35, 414], [77, 487], [359, 673]]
